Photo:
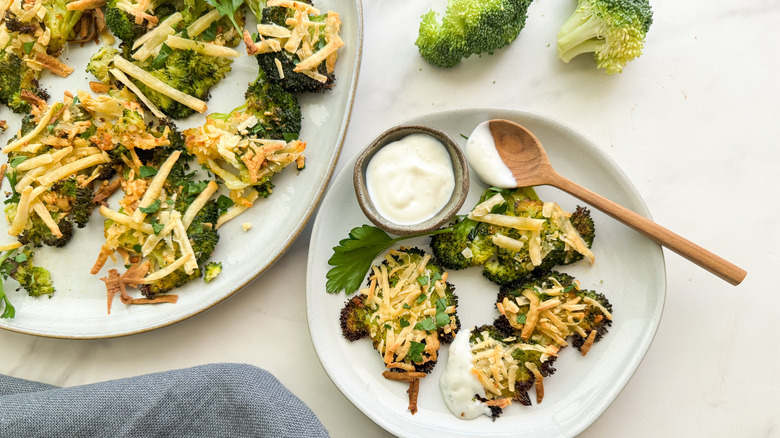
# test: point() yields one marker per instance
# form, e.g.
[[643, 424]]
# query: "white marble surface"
[[694, 125]]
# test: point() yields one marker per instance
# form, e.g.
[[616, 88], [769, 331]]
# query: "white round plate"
[[78, 307], [629, 270]]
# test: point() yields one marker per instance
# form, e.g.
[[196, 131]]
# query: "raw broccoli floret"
[[470, 27], [15, 77], [613, 30]]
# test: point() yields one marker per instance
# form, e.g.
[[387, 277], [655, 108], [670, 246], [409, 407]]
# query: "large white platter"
[[78, 308], [629, 270]]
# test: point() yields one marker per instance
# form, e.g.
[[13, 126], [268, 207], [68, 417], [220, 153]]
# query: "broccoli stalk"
[[613, 30], [470, 27], [60, 22]]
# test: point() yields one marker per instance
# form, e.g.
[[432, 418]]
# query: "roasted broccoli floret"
[[78, 198], [122, 24], [33, 279], [189, 72], [528, 362], [39, 234], [171, 281], [211, 270], [59, 21], [203, 236], [425, 301], [289, 79], [544, 238], [587, 314], [613, 30], [101, 62], [470, 27], [15, 78], [277, 111]]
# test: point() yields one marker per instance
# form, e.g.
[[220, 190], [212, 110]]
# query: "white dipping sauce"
[[484, 159], [411, 179], [458, 386]]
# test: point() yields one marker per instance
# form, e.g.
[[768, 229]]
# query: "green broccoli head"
[[470, 27], [278, 111], [15, 77], [171, 281], [122, 24], [79, 199], [290, 80], [189, 72], [102, 61], [33, 279], [38, 234], [613, 30], [203, 236], [588, 314], [211, 270]]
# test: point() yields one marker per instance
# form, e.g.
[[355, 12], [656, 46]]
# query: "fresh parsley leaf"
[[147, 171], [137, 248], [423, 280], [13, 179], [156, 226], [406, 306], [426, 324], [569, 288], [28, 46], [353, 256], [159, 61], [421, 298], [89, 132], [20, 258], [18, 160], [403, 323], [442, 317], [415, 351], [521, 318], [229, 8], [223, 203], [211, 33], [436, 277], [152, 208], [289, 136]]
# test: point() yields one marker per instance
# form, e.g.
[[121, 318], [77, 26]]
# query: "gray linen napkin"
[[216, 400]]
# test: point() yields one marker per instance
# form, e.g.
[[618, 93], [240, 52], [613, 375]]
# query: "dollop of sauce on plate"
[[458, 386], [411, 179], [483, 157]]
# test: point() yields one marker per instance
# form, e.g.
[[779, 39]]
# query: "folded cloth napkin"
[[216, 400]]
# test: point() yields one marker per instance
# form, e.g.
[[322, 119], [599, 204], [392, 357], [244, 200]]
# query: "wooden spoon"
[[523, 153]]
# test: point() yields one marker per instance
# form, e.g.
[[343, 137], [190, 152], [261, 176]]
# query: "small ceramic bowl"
[[459, 193]]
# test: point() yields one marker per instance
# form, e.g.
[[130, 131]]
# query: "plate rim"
[[310, 210], [576, 427]]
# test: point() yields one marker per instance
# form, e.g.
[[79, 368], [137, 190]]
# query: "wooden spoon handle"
[[707, 260]]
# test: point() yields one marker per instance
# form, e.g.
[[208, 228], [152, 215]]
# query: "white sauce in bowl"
[[411, 179], [458, 386], [483, 157]]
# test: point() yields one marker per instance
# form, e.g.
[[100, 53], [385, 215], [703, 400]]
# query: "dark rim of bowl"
[[459, 193]]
